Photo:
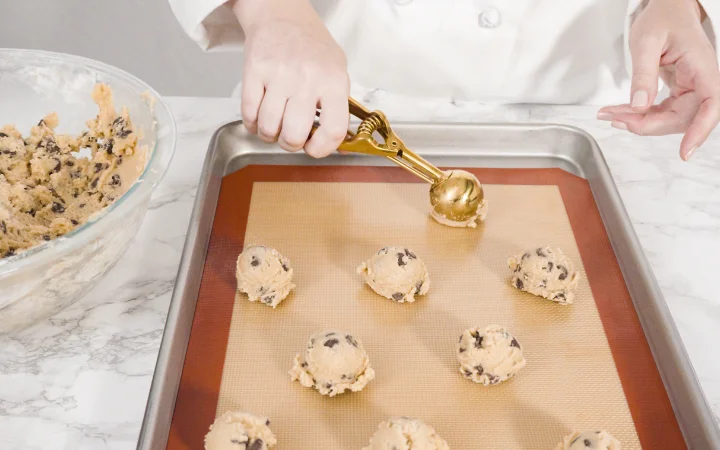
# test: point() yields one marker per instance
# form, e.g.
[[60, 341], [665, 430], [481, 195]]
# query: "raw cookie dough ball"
[[546, 272], [480, 213], [237, 430], [396, 273], [489, 357], [594, 440], [403, 433], [264, 274], [333, 362]]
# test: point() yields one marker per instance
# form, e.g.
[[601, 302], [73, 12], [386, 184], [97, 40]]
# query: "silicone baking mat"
[[588, 364]]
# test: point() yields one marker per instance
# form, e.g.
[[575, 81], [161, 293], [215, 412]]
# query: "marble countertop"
[[80, 379]]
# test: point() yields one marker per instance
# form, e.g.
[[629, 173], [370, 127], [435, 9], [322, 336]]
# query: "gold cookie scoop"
[[456, 196]]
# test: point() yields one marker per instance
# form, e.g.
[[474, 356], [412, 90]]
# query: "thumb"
[[645, 51]]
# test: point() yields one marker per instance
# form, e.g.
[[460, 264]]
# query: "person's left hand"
[[667, 40]]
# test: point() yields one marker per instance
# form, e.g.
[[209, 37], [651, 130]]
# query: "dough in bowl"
[[333, 362], [545, 272], [404, 433], [396, 273], [237, 430], [264, 275], [589, 440], [489, 357]]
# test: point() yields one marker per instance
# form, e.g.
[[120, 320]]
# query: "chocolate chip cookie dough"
[[396, 273], [404, 433], [264, 275], [237, 430], [333, 362], [595, 440], [48, 189], [545, 272], [489, 357]]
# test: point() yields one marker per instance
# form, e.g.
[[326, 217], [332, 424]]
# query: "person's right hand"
[[292, 67]]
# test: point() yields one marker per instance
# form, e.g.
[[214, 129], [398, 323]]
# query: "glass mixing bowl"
[[46, 279]]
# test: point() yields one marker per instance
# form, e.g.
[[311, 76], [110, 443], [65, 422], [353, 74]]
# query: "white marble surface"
[[80, 379]]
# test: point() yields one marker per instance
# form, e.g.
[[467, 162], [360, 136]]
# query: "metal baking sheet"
[[457, 145]]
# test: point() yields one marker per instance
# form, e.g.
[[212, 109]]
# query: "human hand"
[[292, 67], [667, 40]]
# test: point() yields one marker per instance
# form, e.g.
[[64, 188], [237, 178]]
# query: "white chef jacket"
[[492, 51]]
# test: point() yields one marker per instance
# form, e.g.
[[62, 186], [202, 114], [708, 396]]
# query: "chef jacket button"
[[490, 18]]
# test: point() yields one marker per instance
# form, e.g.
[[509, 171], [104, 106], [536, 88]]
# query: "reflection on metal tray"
[[206, 273]]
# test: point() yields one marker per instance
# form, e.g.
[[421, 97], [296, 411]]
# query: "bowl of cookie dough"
[[83, 145]]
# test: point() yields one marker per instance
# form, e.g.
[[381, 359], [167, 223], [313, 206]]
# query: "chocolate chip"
[[256, 445], [267, 422], [312, 341], [115, 180], [493, 379], [525, 256], [467, 373], [124, 133], [587, 443], [518, 283], [46, 237], [236, 441], [350, 340], [81, 205], [330, 343], [304, 364], [119, 161], [479, 369], [31, 212], [10, 252], [74, 222], [3, 135], [108, 146], [98, 167], [269, 298], [3, 226], [74, 175], [564, 273], [540, 252], [8, 152], [418, 286], [478, 340], [462, 350], [58, 208], [400, 261], [410, 254], [41, 123], [254, 261], [383, 251], [57, 167], [328, 385], [342, 377], [285, 267], [549, 266], [94, 183], [560, 296], [398, 296], [331, 334], [514, 343]]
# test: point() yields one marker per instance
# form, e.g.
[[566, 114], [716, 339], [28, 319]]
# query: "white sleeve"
[[210, 23], [711, 25]]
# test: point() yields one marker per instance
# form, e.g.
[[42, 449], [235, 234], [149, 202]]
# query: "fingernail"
[[690, 153], [619, 125], [604, 115], [640, 98]]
